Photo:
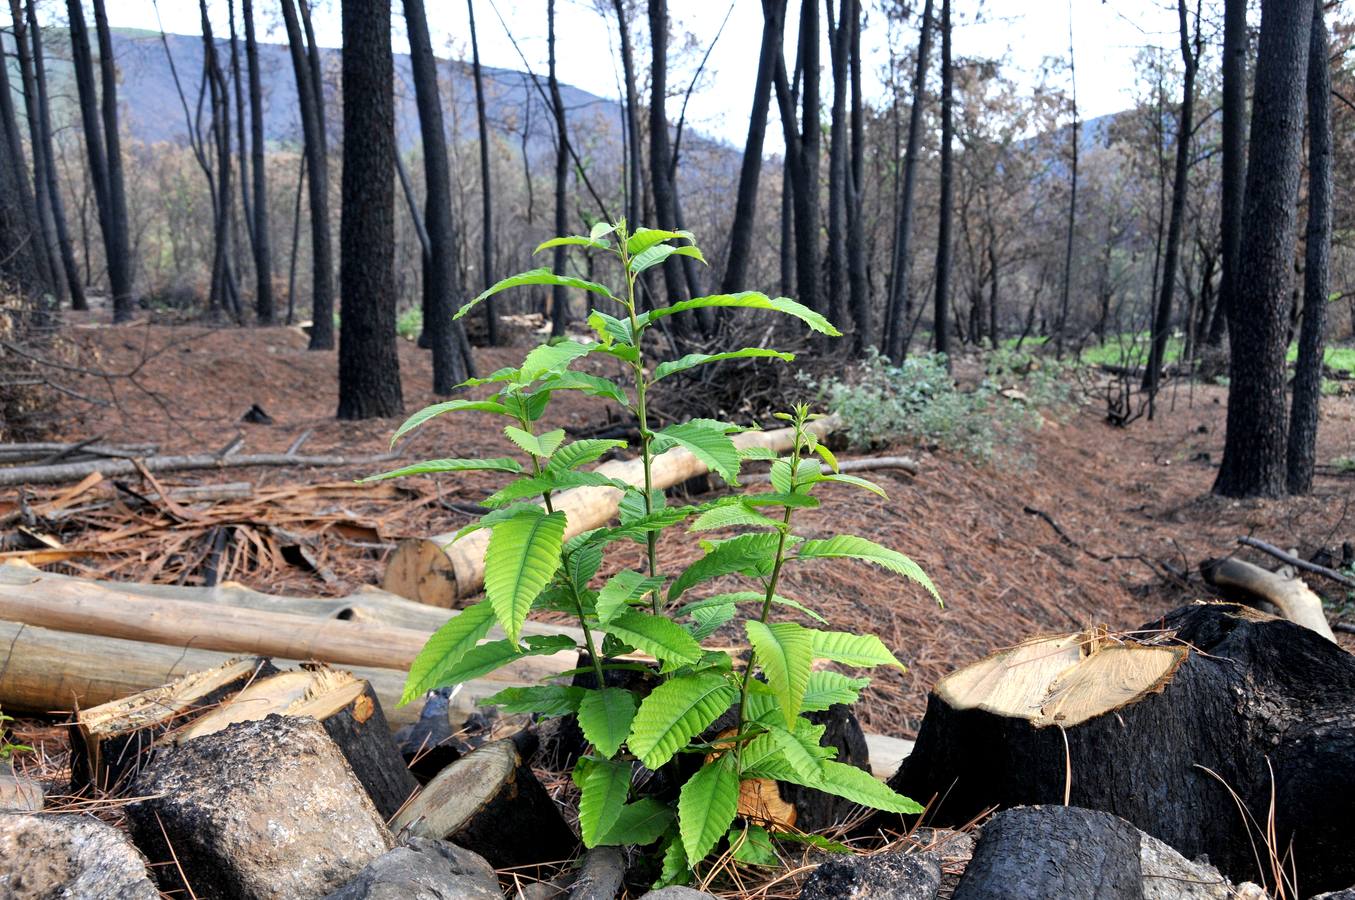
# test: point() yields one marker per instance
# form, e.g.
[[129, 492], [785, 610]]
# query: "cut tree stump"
[[261, 809], [491, 803], [347, 708], [109, 742], [1210, 700]]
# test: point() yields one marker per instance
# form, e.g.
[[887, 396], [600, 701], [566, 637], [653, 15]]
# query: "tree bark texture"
[[634, 190], [1254, 448], [47, 248], [806, 186], [1233, 157], [559, 293], [941, 310], [1303, 415], [369, 366], [264, 304], [660, 153], [486, 198], [838, 138], [121, 263]]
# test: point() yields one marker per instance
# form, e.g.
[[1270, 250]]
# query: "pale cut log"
[[1256, 712], [109, 741], [1290, 595], [491, 803], [348, 709], [441, 570], [84, 608], [367, 605], [59, 473]]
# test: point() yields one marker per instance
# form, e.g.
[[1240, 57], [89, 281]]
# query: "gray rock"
[[19, 794], [1343, 894], [261, 809], [677, 892], [69, 857], [1167, 875], [423, 869], [601, 875], [900, 875]]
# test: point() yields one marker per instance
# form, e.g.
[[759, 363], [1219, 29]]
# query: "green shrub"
[[532, 562], [409, 324]]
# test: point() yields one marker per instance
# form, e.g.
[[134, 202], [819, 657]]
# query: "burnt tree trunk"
[[451, 358], [941, 312], [264, 305], [660, 153], [858, 278], [486, 198], [750, 171], [1258, 322], [369, 366], [1224, 700], [310, 98], [121, 263], [1302, 449], [1233, 157], [900, 301], [838, 48], [806, 181], [46, 248], [634, 192], [559, 293]]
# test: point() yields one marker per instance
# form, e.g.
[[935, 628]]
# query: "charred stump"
[[1171, 728]]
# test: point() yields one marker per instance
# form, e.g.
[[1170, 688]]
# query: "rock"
[[677, 892], [70, 857], [601, 876], [900, 875], [261, 809], [18, 793], [1346, 894], [423, 869], [1167, 875]]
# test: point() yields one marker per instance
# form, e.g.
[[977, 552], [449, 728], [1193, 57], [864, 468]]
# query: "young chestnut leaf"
[[707, 804]]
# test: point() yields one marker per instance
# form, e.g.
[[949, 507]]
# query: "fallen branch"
[[1296, 562], [1294, 599], [63, 472]]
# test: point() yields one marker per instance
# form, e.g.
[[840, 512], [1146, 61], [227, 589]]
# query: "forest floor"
[[1093, 525]]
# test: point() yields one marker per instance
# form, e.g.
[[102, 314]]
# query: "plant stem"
[[646, 454]]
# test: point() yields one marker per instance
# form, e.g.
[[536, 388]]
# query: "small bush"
[[410, 323]]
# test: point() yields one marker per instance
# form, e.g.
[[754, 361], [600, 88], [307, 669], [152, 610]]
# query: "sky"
[[1106, 36]]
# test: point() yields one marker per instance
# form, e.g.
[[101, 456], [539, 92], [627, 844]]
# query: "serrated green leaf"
[[710, 618], [603, 795], [434, 466], [805, 471], [536, 276], [750, 300], [488, 520], [572, 240], [605, 716], [826, 689], [610, 329], [589, 385], [600, 230], [485, 658], [527, 406], [675, 712], [632, 504], [549, 481], [580, 453], [730, 515], [657, 254], [859, 650], [692, 360], [733, 555], [806, 762], [828, 457], [644, 238], [675, 869], [707, 804], [538, 445], [544, 700], [445, 650], [861, 787], [760, 453], [840, 478], [552, 358], [753, 846], [849, 546], [581, 564], [712, 447], [622, 588], [639, 824], [660, 637], [774, 498], [522, 556], [785, 652], [437, 409]]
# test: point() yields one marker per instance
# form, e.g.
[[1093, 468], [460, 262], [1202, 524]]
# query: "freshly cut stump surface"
[[260, 809]]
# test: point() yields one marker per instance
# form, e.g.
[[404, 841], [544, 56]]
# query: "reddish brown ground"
[[1140, 496]]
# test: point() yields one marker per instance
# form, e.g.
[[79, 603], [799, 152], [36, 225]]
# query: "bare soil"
[[1133, 505]]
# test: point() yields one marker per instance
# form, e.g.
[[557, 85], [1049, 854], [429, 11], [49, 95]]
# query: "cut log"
[[441, 570], [490, 802], [264, 809], [63, 472], [347, 708], [109, 741], [1211, 702], [1291, 596]]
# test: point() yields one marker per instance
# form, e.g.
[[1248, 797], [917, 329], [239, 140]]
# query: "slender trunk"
[[787, 94], [837, 164], [807, 173], [634, 191], [1072, 198], [309, 96], [1233, 147], [659, 151], [1180, 182], [993, 336], [121, 265], [857, 276], [46, 249], [486, 197], [242, 147], [901, 303], [263, 260], [559, 294], [1302, 449], [369, 363], [221, 136], [296, 240], [74, 282], [1254, 448], [940, 316], [451, 363]]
